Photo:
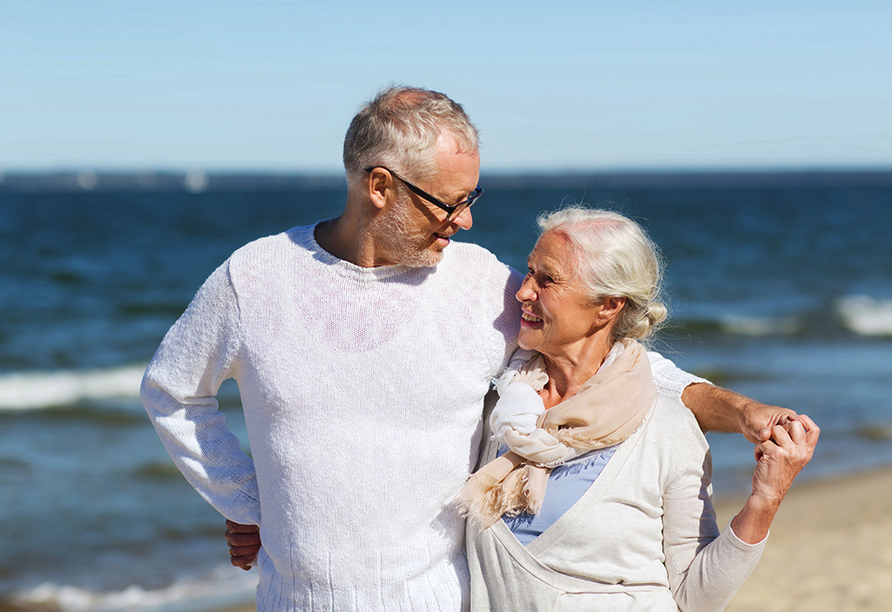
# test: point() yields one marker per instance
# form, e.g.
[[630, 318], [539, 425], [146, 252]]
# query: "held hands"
[[244, 543], [758, 422]]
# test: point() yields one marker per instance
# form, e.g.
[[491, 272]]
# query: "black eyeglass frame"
[[452, 209]]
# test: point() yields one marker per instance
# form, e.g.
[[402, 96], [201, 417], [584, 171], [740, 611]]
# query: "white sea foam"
[[32, 390], [865, 315], [760, 326], [223, 587]]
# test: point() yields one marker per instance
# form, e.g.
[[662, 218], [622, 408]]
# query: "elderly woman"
[[602, 500]]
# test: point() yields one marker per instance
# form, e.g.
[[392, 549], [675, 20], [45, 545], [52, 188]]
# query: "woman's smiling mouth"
[[529, 319]]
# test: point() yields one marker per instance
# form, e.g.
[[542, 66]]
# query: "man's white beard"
[[403, 243]]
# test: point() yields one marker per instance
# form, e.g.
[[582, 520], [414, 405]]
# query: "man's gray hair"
[[615, 258], [398, 129]]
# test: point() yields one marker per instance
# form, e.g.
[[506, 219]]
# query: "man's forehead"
[[450, 142], [456, 171]]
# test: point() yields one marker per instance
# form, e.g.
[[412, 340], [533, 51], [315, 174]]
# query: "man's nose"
[[464, 219]]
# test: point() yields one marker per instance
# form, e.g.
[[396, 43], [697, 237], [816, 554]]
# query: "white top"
[[362, 390], [642, 538]]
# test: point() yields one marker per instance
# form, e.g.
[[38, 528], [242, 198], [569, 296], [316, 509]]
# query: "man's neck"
[[348, 239]]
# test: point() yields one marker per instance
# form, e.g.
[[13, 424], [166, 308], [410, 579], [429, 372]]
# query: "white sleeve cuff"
[[745, 545], [668, 378]]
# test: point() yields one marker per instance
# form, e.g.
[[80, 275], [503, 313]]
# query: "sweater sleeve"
[[179, 393], [705, 568], [669, 379]]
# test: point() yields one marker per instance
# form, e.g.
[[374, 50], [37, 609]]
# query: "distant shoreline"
[[196, 181]]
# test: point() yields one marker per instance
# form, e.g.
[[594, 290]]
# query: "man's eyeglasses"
[[454, 210]]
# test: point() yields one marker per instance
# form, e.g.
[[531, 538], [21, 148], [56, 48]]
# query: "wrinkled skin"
[[781, 457]]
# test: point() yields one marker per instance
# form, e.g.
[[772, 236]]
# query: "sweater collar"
[[305, 237]]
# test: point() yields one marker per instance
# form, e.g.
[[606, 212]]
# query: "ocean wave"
[[865, 315], [221, 588], [36, 390], [760, 326]]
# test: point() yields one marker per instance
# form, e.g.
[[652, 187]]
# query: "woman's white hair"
[[615, 258], [399, 128]]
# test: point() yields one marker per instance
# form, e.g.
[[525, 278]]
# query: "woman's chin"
[[526, 343]]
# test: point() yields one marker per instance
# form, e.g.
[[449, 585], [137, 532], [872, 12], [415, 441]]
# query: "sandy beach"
[[830, 549]]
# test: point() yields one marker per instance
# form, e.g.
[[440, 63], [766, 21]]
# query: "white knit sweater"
[[362, 390]]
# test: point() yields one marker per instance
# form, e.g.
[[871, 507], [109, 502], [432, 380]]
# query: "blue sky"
[[551, 86]]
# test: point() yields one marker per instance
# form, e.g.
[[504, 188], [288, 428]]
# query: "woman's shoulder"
[[671, 444], [674, 424]]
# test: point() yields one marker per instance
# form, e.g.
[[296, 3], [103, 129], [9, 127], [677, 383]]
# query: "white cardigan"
[[643, 537]]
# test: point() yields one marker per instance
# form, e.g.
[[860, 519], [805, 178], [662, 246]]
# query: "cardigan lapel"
[[568, 520]]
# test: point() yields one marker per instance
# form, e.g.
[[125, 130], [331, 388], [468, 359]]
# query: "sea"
[[779, 286]]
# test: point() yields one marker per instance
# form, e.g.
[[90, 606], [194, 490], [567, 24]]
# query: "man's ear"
[[379, 183]]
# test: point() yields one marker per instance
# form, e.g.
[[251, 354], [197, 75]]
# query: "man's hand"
[[757, 420], [244, 543]]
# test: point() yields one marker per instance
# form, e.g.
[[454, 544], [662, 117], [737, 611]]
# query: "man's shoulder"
[[471, 258], [294, 236], [274, 246], [469, 250]]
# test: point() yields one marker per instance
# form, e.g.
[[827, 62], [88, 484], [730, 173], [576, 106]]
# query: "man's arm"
[[719, 409], [179, 393], [716, 408]]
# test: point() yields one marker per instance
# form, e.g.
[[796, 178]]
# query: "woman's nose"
[[525, 293]]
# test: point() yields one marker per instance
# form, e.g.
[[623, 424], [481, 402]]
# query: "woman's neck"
[[567, 374]]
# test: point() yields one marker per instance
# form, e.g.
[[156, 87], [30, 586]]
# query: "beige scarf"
[[608, 408]]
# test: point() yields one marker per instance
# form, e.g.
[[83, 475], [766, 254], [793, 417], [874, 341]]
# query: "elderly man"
[[363, 347]]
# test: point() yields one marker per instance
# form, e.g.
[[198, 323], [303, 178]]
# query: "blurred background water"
[[780, 286]]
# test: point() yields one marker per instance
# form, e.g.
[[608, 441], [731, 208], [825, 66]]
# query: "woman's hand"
[[779, 459], [244, 543]]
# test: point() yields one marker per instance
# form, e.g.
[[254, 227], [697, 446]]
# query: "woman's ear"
[[610, 308]]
